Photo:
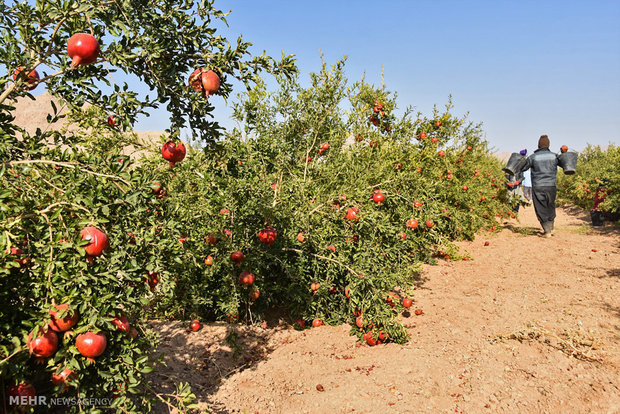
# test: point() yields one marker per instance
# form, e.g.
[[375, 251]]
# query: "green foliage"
[[595, 167], [158, 42], [55, 183], [274, 171]]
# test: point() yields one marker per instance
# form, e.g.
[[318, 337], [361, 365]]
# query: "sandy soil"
[[528, 325]]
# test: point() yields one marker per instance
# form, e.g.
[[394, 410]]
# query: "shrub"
[[275, 170]]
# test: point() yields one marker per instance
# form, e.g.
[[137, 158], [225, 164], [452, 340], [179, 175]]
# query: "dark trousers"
[[544, 203]]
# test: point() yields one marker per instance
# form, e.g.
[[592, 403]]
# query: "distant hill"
[[502, 156], [32, 114]]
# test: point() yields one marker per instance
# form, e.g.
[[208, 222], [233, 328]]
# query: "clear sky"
[[521, 67]]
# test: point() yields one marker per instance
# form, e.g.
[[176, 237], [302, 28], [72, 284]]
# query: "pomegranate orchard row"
[[324, 203], [323, 213], [596, 184]]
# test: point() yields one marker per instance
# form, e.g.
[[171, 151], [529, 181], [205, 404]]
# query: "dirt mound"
[[528, 325]]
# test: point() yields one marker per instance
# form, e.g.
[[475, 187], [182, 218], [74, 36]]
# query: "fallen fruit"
[[418, 312], [194, 325]]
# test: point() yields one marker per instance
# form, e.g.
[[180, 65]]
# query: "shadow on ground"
[[523, 230], [204, 359], [419, 280], [613, 273], [608, 228]]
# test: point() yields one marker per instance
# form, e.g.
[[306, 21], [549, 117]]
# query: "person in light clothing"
[[527, 185]]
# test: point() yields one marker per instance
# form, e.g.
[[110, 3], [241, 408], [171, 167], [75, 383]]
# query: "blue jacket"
[[544, 165]]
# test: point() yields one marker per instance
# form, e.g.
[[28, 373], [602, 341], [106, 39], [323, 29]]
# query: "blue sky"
[[522, 68]]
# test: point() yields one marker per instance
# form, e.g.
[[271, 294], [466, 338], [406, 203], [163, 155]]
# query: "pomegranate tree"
[[57, 181]]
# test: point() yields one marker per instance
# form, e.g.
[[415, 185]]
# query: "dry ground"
[[528, 325]]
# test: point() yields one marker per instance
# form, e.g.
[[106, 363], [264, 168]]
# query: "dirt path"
[[558, 295]]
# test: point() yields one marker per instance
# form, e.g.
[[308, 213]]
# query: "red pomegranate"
[[246, 278], [173, 152], [32, 79], [98, 241], [44, 345], [65, 323], [412, 224], [255, 294], [23, 389], [156, 187], [65, 375], [121, 323], [370, 339], [194, 325], [237, 257], [378, 197], [210, 82], [352, 213], [267, 235], [152, 279], [90, 344], [195, 80], [83, 49], [206, 81]]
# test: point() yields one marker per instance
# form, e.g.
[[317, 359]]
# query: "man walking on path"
[[544, 167]]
